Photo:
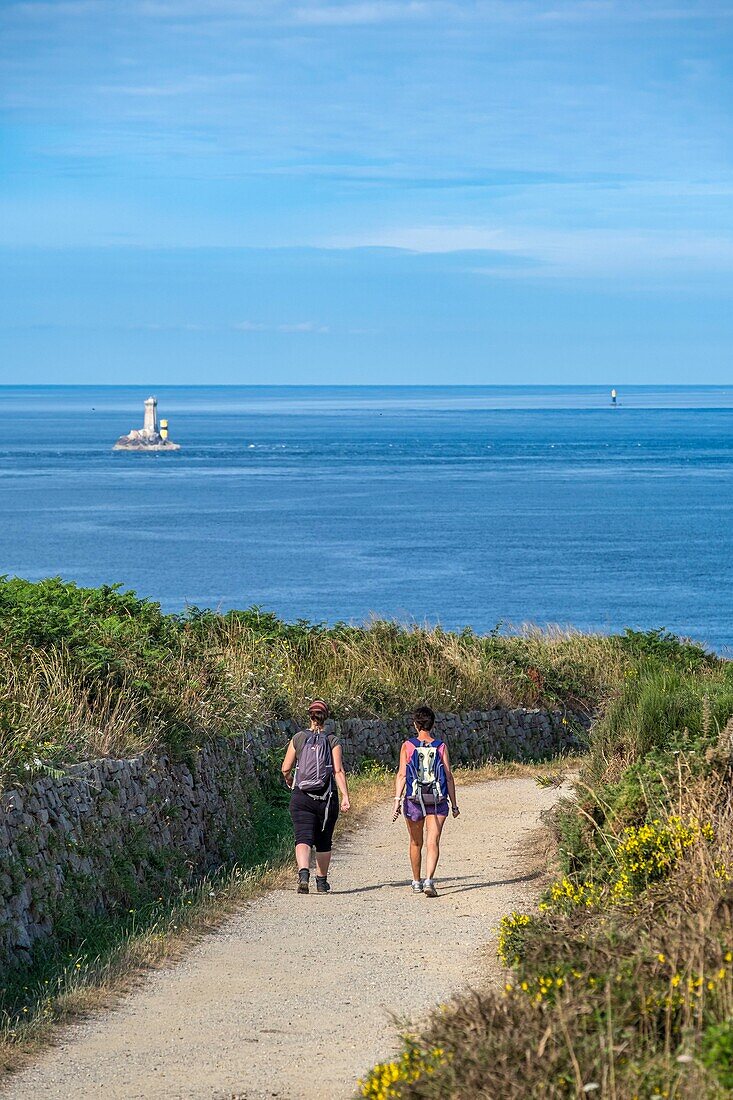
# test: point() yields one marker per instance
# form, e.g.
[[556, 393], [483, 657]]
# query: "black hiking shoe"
[[303, 881], [322, 884], [429, 889]]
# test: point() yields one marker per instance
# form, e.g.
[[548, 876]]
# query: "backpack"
[[314, 769], [425, 776]]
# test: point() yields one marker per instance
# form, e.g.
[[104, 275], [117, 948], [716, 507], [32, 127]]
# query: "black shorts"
[[311, 823]]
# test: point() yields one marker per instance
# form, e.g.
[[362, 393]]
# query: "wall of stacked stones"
[[111, 833], [472, 738]]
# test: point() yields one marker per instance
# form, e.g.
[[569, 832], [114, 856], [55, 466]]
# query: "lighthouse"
[[152, 436], [150, 422]]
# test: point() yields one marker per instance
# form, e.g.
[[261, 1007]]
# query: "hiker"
[[426, 780], [314, 770]]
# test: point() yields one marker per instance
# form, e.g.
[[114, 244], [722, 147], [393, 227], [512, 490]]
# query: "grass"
[[622, 985], [86, 673]]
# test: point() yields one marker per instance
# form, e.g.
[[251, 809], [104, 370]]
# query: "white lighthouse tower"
[[153, 436], [150, 423]]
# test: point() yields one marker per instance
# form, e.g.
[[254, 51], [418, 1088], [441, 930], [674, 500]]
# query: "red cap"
[[318, 705]]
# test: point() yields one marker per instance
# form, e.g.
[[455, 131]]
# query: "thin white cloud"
[[303, 12], [285, 327], [303, 326], [319, 13], [562, 252], [194, 84], [239, 326], [624, 11], [174, 9], [376, 11], [46, 8], [190, 327]]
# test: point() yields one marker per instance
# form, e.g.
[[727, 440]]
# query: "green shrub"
[[663, 708], [513, 930], [717, 1051], [101, 629], [666, 647]]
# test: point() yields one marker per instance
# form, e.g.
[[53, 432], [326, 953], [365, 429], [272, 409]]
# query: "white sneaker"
[[417, 886]]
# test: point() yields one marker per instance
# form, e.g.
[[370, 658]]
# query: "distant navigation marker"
[[613, 398]]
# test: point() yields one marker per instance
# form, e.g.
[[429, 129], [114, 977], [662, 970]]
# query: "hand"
[[345, 805], [397, 811], [456, 812]]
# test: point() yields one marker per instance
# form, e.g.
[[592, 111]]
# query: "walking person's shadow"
[[450, 885]]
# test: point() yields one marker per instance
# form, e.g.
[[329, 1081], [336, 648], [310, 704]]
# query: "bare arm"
[[451, 782], [401, 777], [340, 776], [288, 765]]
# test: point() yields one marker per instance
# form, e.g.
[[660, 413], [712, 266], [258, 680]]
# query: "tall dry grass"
[[50, 715], [223, 676], [386, 668]]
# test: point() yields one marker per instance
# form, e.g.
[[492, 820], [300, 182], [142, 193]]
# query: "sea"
[[488, 506]]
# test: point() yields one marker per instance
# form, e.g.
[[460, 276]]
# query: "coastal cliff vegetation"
[[89, 672], [621, 985]]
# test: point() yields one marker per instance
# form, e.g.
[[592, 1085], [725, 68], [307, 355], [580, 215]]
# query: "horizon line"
[[603, 386]]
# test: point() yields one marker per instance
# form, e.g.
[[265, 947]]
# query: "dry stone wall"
[[110, 833], [473, 737]]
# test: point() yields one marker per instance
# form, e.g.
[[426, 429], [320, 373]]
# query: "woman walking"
[[314, 770], [426, 780]]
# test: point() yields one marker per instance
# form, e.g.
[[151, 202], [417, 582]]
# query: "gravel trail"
[[294, 996]]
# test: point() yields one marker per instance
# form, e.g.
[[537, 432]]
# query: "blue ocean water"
[[460, 505]]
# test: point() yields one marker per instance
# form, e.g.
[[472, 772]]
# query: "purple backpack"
[[314, 769], [425, 778]]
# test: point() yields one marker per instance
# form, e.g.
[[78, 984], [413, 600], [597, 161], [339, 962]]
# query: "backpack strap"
[[297, 755], [410, 745], [440, 765]]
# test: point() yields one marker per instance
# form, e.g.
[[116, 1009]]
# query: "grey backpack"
[[314, 770]]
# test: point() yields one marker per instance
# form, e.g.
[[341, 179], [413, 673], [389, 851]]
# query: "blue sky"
[[366, 191]]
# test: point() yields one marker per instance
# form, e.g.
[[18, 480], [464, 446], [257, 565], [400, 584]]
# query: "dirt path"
[[292, 997]]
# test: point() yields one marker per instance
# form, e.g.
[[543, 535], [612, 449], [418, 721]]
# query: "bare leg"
[[433, 827], [415, 829], [323, 859], [303, 856]]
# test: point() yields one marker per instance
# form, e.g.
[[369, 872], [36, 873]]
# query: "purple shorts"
[[413, 811]]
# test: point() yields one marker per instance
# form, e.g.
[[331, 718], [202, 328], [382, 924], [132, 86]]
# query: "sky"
[[366, 191]]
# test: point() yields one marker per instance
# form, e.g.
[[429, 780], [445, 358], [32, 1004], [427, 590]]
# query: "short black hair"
[[424, 718]]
